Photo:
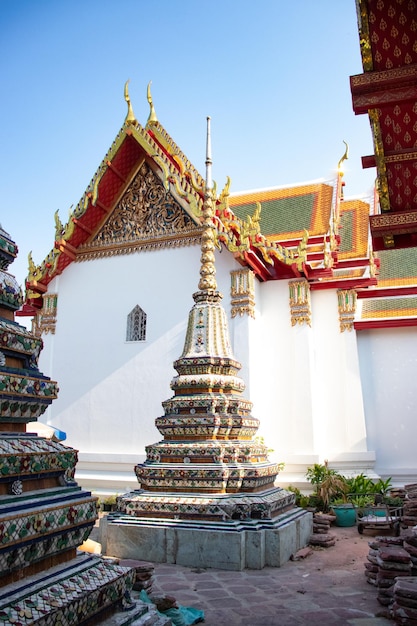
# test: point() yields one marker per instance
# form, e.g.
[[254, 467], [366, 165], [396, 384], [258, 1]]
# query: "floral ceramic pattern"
[[13, 384], [8, 249], [72, 599], [24, 554], [207, 451], [192, 477], [62, 516], [27, 410], [34, 455], [221, 507], [10, 292], [19, 339]]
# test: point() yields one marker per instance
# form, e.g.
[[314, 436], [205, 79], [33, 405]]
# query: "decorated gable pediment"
[[146, 216]]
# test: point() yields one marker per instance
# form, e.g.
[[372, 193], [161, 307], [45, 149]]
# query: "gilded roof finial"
[[344, 158], [341, 172], [152, 119], [130, 117]]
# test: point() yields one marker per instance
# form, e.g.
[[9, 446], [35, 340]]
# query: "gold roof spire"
[[152, 119], [130, 117]]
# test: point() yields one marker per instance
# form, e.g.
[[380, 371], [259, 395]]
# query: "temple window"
[[136, 325]]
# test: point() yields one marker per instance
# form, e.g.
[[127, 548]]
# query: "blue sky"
[[272, 74]]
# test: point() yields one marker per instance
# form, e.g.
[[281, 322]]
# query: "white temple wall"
[[281, 392], [307, 387], [305, 382], [388, 363], [339, 418]]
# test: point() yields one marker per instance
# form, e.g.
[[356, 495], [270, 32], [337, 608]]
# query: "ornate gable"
[[147, 216]]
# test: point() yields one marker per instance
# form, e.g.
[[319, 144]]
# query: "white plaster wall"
[[305, 385], [388, 363], [337, 394], [281, 388], [111, 390]]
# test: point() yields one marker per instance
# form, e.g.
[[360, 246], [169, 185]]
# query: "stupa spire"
[[208, 283]]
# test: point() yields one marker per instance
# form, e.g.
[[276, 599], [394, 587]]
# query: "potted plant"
[[109, 503], [328, 484]]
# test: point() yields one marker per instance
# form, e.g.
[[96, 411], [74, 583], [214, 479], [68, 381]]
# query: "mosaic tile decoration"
[[202, 478], [210, 427], [18, 557], [16, 409], [264, 505], [31, 523], [69, 598], [24, 386], [34, 529], [10, 291], [19, 339], [23, 456], [206, 452], [8, 249]]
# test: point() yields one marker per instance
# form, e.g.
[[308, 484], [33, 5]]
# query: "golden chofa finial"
[[130, 117], [152, 119], [341, 171], [344, 158]]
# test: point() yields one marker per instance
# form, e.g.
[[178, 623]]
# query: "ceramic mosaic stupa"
[[44, 514], [209, 468]]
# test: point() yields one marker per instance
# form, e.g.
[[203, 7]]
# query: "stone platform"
[[232, 545]]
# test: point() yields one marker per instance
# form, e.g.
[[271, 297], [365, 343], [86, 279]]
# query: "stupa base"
[[233, 545], [85, 589]]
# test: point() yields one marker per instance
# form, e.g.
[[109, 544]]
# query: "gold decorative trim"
[[45, 320], [144, 246], [371, 77], [239, 236], [393, 219], [346, 301], [146, 217], [300, 304], [242, 292], [365, 41], [382, 181]]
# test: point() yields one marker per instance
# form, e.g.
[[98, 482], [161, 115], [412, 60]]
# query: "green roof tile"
[[281, 215], [397, 264]]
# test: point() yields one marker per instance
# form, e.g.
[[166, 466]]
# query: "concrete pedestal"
[[233, 545]]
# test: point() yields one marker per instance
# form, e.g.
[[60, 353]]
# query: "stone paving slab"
[[325, 588]]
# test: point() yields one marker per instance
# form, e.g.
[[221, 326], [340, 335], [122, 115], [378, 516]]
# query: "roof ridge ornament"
[[343, 158], [130, 117], [341, 171], [152, 119]]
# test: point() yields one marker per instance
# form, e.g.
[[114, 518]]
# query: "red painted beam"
[[388, 292], [384, 323], [351, 283]]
